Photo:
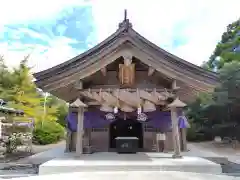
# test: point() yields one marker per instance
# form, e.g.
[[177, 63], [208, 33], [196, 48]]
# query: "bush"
[[48, 133], [191, 134], [197, 135]]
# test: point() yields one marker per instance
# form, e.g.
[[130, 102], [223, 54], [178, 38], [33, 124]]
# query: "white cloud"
[[13, 11], [202, 22], [41, 57]]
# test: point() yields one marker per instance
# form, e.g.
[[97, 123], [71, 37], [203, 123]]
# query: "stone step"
[[190, 165], [140, 175], [9, 176]]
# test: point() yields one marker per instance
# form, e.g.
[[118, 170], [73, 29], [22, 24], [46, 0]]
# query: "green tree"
[[219, 111], [6, 82], [61, 108], [19, 89], [228, 49]]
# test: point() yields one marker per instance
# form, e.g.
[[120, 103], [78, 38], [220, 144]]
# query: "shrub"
[[191, 134], [48, 133]]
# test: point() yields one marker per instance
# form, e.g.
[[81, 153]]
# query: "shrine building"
[[126, 86]]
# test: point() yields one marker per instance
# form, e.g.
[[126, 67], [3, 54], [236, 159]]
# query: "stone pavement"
[[196, 150], [42, 157], [58, 150], [139, 175]]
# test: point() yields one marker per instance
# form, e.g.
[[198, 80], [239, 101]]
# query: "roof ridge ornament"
[[125, 23]]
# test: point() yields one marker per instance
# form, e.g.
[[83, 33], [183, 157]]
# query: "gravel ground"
[[15, 168], [19, 170]]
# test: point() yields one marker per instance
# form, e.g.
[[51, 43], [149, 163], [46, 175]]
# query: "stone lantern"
[[177, 103], [80, 105], [174, 106]]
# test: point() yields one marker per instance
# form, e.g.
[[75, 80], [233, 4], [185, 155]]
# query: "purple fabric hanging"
[[183, 122], [97, 119]]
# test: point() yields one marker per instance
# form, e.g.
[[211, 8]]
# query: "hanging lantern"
[[149, 107], [115, 110], [106, 108], [139, 110]]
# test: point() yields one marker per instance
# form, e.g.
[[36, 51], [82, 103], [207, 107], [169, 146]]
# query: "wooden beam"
[[104, 71], [127, 89], [174, 85], [151, 70]]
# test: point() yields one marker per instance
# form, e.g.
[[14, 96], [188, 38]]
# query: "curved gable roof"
[[125, 29]]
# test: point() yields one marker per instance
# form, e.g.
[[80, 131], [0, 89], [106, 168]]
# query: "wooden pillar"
[[79, 143], [68, 136], [175, 131]]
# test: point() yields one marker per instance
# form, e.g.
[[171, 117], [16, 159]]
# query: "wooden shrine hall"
[[126, 86]]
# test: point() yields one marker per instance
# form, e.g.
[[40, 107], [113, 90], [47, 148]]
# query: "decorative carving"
[[126, 23], [142, 117], [127, 71], [110, 116], [127, 74]]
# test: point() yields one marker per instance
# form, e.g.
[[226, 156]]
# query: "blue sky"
[[55, 31]]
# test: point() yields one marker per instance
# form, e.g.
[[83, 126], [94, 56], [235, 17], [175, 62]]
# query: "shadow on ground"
[[228, 168]]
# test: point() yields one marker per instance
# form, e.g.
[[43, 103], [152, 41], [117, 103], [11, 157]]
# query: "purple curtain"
[[97, 119]]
